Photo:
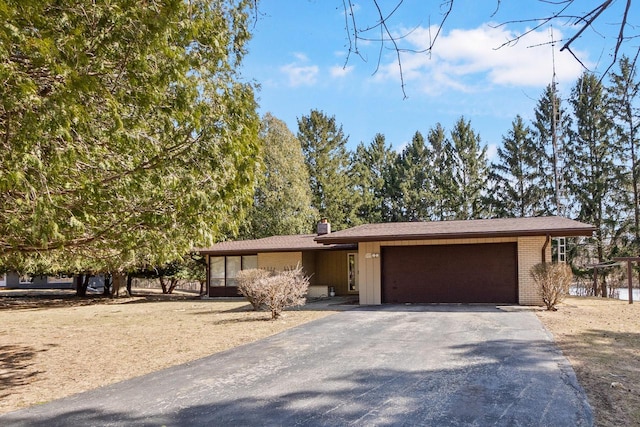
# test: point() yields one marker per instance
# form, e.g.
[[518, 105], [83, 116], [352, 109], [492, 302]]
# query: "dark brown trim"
[[233, 252], [570, 232]]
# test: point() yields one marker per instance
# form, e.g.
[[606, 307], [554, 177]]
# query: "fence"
[[155, 284]]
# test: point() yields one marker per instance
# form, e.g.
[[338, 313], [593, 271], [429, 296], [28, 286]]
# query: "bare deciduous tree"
[[553, 281], [580, 14]]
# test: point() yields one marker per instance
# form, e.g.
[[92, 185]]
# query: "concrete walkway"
[[441, 365]]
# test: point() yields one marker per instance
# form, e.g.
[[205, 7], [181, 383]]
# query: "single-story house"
[[14, 280], [471, 261]]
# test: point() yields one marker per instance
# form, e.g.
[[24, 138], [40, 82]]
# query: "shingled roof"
[[504, 227], [294, 243]]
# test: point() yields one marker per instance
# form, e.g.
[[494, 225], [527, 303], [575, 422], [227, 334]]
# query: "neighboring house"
[[17, 281], [473, 261], [12, 280]]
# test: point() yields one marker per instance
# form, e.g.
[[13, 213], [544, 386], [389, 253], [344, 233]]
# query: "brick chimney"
[[324, 227]]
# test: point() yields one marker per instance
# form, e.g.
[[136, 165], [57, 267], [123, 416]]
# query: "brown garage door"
[[483, 273]]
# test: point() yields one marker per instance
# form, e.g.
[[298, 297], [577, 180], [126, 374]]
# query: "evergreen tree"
[[623, 104], [550, 119], [414, 180], [594, 171], [470, 171], [324, 147], [126, 137], [513, 177], [443, 185], [372, 167], [282, 200]]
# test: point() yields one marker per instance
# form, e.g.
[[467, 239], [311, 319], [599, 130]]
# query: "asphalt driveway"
[[440, 365]]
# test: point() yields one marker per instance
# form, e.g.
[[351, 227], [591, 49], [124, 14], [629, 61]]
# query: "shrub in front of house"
[[252, 285], [553, 282], [286, 289], [273, 291]]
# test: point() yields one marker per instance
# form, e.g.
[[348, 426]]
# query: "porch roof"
[[291, 243]]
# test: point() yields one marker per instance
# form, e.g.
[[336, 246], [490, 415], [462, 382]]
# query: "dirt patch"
[[601, 339], [56, 345]]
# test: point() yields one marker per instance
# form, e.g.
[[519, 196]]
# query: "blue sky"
[[298, 56]]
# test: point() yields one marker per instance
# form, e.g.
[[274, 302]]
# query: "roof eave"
[[567, 232], [320, 247]]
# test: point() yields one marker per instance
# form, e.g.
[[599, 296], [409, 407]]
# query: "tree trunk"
[[163, 285], [107, 285], [173, 283], [119, 284], [129, 280], [202, 287], [82, 281]]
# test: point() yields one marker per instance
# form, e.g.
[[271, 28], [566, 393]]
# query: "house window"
[[249, 262], [25, 279], [224, 270], [60, 278], [216, 270], [352, 272], [3, 280], [234, 264]]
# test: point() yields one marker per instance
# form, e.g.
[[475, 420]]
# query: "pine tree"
[[514, 175], [324, 147], [443, 185], [282, 200], [592, 159], [470, 170], [550, 118], [623, 104], [371, 174], [414, 180]]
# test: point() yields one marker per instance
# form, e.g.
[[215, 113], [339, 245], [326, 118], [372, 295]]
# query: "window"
[[234, 264], [224, 270], [25, 279], [216, 270], [352, 272], [60, 278], [3, 280]]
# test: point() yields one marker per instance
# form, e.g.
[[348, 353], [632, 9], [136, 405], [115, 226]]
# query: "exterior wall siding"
[[309, 260], [529, 254], [369, 277], [331, 270], [279, 261]]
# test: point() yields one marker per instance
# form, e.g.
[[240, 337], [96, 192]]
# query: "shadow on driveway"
[[386, 366]]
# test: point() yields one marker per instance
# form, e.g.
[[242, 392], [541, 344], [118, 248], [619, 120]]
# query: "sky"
[[299, 56]]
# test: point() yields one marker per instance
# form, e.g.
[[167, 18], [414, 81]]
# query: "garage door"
[[483, 273]]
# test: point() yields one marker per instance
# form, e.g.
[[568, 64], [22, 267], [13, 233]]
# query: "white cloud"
[[298, 73], [340, 71], [469, 60], [300, 57]]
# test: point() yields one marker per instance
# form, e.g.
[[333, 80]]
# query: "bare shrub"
[[252, 285], [553, 281], [286, 289]]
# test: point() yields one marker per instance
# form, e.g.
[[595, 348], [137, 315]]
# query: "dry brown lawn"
[[55, 346], [601, 339]]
